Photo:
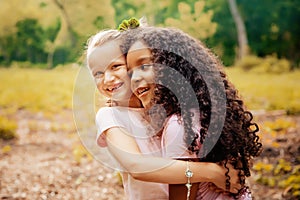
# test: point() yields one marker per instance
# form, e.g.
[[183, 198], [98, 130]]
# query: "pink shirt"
[[132, 120]]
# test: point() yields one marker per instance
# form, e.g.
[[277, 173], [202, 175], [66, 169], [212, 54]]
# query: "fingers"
[[234, 188], [213, 187], [235, 184], [234, 191], [110, 103]]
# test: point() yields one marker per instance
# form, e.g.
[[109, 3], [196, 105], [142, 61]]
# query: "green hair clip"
[[132, 23]]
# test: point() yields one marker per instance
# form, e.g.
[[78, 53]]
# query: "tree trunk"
[[50, 57], [241, 30], [68, 22]]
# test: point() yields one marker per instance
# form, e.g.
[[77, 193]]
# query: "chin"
[[147, 104]]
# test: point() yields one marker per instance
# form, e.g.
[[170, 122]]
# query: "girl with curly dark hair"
[[190, 83], [121, 128]]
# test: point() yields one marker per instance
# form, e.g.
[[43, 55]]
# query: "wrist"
[[214, 172]]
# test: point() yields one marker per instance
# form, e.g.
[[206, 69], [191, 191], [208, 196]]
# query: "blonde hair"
[[106, 35], [100, 38]]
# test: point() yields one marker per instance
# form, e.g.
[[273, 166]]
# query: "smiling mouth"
[[140, 91], [115, 87]]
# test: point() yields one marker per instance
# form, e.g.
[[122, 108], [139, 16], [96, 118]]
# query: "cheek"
[[124, 76], [149, 76], [152, 92], [99, 85]]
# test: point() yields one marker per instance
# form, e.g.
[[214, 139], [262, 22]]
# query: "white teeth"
[[111, 89], [142, 90]]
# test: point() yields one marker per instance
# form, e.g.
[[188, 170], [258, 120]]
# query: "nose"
[[136, 76], [108, 77]]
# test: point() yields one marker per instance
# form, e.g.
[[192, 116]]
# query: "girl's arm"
[[155, 169], [174, 146]]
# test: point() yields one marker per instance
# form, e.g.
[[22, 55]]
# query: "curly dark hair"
[[227, 133]]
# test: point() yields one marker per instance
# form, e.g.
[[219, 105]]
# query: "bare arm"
[[175, 147], [162, 170], [179, 191]]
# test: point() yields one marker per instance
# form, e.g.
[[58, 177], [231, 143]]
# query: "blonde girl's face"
[[140, 70], [108, 67]]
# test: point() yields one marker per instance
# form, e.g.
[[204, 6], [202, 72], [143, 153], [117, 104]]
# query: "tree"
[[65, 15], [224, 41], [241, 30], [30, 41], [194, 20], [52, 33], [78, 20], [273, 27], [6, 48], [153, 10]]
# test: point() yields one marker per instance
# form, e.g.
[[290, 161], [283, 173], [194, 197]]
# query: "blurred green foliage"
[[270, 64], [54, 32], [273, 28]]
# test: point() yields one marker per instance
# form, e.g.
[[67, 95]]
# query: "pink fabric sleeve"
[[105, 119], [173, 143]]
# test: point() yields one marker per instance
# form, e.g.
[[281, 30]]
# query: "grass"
[[37, 89], [268, 91]]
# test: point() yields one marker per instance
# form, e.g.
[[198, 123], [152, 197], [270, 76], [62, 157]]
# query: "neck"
[[133, 102]]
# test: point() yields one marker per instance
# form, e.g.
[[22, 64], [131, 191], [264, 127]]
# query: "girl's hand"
[[219, 179], [213, 187], [111, 103]]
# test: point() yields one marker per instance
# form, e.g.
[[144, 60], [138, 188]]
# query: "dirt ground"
[[41, 164]]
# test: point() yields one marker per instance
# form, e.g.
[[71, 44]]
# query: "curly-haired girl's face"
[[140, 70], [109, 69]]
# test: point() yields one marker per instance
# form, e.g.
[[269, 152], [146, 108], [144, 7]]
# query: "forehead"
[[138, 54], [103, 55], [139, 46]]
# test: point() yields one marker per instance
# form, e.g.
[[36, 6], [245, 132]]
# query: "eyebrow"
[[117, 60], [141, 59], [113, 62]]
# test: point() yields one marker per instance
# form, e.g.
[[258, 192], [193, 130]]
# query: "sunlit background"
[[42, 44]]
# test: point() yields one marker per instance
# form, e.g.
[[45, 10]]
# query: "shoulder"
[[173, 120], [104, 110], [173, 125], [108, 111], [118, 113]]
